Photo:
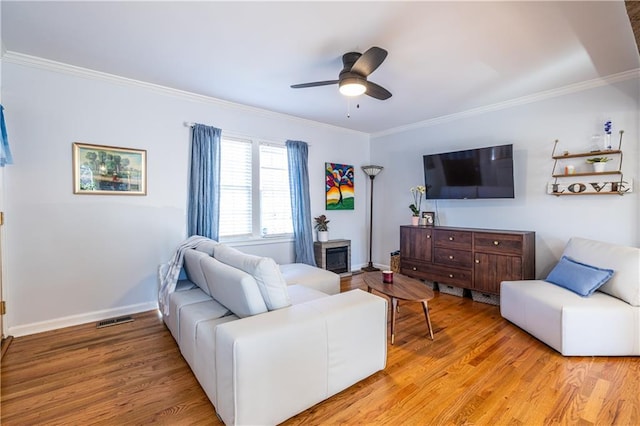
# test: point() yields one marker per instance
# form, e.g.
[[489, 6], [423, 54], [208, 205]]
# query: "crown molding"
[[49, 65], [536, 97]]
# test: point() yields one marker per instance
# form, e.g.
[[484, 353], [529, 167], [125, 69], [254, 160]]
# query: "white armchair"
[[606, 323]]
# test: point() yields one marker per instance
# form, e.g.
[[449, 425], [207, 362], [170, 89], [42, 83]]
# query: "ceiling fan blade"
[[369, 61], [376, 91], [314, 84]]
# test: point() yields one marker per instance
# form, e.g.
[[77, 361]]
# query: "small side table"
[[402, 288]]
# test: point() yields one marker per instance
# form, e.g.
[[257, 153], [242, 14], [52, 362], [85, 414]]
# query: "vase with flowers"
[[416, 192]]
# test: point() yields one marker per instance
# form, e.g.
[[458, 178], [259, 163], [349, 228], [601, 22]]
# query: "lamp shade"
[[372, 170]]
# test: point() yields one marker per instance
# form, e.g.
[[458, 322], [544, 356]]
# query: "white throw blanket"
[[168, 273]]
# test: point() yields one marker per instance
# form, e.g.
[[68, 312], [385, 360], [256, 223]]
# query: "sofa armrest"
[[275, 365]]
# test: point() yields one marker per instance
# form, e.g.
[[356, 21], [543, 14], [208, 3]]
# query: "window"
[[275, 201], [254, 190], [235, 188]]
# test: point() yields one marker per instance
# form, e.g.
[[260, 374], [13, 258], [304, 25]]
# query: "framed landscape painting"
[[99, 169], [339, 186]]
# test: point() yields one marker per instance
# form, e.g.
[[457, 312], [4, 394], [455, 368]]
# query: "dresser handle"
[[477, 261], [450, 275], [414, 268], [451, 257], [428, 236], [450, 238], [495, 243]]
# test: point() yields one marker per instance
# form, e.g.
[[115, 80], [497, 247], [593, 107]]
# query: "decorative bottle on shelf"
[[607, 135]]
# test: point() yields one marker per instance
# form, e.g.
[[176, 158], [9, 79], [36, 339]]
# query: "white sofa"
[[270, 343], [605, 323]]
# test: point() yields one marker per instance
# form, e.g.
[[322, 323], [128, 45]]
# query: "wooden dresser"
[[476, 259]]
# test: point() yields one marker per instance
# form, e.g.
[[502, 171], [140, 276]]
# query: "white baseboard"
[[39, 327], [355, 268]]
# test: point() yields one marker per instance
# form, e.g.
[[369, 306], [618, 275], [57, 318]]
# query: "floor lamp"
[[371, 171]]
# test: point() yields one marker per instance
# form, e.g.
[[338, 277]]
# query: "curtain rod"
[[240, 136]]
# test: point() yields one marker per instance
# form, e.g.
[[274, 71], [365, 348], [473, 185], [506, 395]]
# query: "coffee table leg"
[[426, 315], [394, 306]]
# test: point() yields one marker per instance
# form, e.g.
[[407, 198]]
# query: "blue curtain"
[[204, 182], [297, 154], [5, 152]]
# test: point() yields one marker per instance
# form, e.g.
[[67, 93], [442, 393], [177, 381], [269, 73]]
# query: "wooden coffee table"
[[402, 288]]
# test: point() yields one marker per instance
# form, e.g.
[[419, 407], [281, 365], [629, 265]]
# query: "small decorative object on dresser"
[[322, 228], [417, 192], [428, 218]]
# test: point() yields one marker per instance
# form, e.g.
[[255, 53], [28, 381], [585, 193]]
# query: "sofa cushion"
[[625, 283], [177, 301], [194, 270], [263, 269], [190, 316], [303, 294], [578, 277], [235, 289], [309, 276]]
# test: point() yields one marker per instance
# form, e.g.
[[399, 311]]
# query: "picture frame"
[[339, 186], [429, 218], [109, 170]]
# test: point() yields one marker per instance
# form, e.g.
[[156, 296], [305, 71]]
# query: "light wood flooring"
[[479, 370]]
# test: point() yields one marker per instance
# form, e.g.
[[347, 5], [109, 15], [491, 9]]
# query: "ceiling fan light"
[[352, 87]]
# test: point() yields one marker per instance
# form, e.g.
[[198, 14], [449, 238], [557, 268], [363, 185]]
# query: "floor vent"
[[113, 321]]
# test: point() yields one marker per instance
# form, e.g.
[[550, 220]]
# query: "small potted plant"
[[598, 163], [322, 228], [417, 192]]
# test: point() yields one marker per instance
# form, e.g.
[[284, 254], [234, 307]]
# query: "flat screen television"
[[469, 174]]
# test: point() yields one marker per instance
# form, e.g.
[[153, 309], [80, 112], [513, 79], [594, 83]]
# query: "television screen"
[[473, 173]]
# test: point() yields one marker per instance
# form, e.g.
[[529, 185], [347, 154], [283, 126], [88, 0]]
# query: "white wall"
[[78, 258], [532, 128]]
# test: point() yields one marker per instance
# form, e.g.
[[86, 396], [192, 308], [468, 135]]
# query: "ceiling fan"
[[352, 80]]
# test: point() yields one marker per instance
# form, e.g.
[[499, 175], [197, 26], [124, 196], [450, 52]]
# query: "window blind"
[[275, 201], [235, 188]]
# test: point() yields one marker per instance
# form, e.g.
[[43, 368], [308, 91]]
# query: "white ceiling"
[[444, 57]]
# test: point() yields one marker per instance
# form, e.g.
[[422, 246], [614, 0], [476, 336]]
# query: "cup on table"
[[387, 277]]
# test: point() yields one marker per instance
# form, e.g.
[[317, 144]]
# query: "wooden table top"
[[402, 288]]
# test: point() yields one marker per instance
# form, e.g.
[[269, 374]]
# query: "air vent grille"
[[113, 321]]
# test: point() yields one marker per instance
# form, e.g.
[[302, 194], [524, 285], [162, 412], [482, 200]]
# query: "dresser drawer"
[[415, 270], [452, 239], [455, 276], [452, 257], [498, 243]]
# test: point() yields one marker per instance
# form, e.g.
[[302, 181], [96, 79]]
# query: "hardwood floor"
[[480, 369]]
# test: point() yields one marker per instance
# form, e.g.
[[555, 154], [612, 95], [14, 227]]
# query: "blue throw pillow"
[[580, 278]]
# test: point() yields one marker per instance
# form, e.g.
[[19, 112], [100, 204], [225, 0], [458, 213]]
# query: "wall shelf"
[[563, 186], [587, 174], [587, 154]]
